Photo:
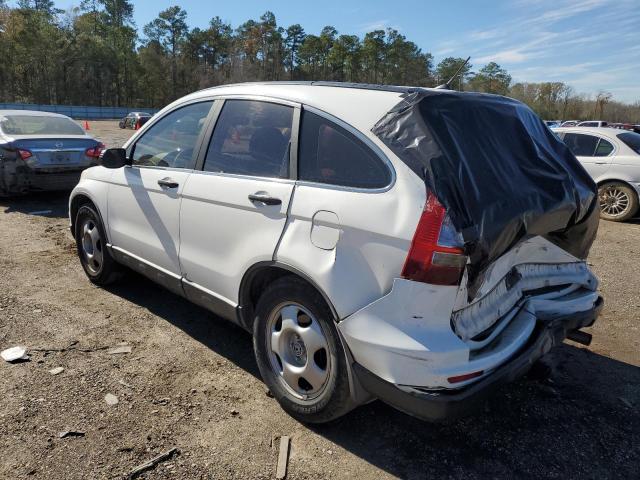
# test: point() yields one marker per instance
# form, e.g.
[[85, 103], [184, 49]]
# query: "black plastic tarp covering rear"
[[500, 172]]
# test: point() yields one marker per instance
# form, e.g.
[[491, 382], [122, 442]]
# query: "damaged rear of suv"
[[495, 276], [413, 245]]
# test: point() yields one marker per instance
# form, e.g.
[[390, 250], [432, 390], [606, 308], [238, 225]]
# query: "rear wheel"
[[91, 243], [618, 201], [299, 353]]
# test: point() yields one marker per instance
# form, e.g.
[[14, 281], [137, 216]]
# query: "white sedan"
[[612, 158]]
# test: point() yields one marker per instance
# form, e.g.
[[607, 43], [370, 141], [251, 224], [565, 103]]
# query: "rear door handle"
[[168, 183], [601, 163], [265, 199]]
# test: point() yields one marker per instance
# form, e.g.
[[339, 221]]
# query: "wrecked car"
[[417, 246], [42, 151]]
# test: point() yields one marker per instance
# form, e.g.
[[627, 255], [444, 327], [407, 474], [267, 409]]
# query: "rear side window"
[[631, 140], [330, 154], [251, 138], [581, 145], [604, 148]]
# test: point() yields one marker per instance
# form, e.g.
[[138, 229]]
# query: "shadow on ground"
[[45, 204], [582, 423]]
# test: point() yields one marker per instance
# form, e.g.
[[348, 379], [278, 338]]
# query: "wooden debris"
[[152, 463], [71, 433], [283, 458], [119, 350]]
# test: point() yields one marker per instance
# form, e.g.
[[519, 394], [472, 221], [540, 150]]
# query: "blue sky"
[[591, 44]]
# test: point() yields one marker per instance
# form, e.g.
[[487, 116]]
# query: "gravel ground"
[[191, 382]]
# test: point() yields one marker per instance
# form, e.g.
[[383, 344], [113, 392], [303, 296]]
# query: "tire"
[[301, 313], [618, 201], [91, 244]]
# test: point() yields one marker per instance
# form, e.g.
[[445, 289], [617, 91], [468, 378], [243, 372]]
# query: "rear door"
[[144, 199], [594, 152], [235, 205]]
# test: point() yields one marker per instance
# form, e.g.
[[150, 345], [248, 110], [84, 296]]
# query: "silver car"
[[42, 151], [612, 158]]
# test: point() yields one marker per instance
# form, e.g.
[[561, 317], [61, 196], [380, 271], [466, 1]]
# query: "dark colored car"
[[42, 151], [134, 120]]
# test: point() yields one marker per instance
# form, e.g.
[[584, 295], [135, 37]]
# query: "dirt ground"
[[191, 382]]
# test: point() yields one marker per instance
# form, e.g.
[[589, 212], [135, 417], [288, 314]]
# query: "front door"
[[144, 198], [234, 210]]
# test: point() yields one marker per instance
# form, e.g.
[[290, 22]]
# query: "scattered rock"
[[14, 354], [234, 412], [119, 350], [56, 371], [111, 399]]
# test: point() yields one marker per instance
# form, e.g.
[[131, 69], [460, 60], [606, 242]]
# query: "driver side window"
[[171, 141]]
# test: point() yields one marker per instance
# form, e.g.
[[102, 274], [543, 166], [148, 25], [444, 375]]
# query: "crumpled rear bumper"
[[438, 405], [17, 178]]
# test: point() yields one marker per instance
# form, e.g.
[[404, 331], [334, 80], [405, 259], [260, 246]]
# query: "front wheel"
[[91, 243], [618, 201], [299, 352]]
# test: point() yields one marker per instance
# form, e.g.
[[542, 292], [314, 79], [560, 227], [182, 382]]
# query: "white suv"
[[365, 243]]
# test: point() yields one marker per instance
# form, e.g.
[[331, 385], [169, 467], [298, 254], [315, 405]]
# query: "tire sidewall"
[[324, 407], [87, 212]]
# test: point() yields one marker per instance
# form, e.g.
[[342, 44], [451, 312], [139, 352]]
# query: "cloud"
[[590, 44], [505, 56], [377, 25]]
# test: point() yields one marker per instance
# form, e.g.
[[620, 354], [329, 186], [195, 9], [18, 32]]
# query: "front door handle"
[[168, 183], [265, 199], [601, 163]]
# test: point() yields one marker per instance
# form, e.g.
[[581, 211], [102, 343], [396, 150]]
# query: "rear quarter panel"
[[373, 232]]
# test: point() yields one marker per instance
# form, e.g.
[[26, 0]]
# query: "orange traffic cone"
[[86, 125]]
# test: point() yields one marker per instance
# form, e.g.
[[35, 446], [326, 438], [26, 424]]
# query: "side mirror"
[[114, 158]]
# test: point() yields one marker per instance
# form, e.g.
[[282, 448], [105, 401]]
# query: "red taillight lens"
[[24, 154], [436, 255], [138, 124], [95, 151]]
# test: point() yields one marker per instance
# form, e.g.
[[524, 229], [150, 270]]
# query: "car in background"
[[593, 123], [553, 123], [612, 158], [43, 151], [134, 120], [569, 123], [277, 207]]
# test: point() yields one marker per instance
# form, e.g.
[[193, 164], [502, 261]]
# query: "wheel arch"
[[78, 201], [255, 280], [629, 184]]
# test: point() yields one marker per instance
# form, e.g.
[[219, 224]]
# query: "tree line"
[[94, 55]]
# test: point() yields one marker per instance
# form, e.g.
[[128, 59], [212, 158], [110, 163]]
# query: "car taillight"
[[138, 124], [24, 154], [436, 255], [95, 151]]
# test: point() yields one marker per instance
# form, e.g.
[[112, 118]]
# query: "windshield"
[[39, 125], [632, 140]]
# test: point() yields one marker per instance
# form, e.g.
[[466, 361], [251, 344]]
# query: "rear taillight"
[[24, 154], [436, 255], [138, 124], [95, 151]]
